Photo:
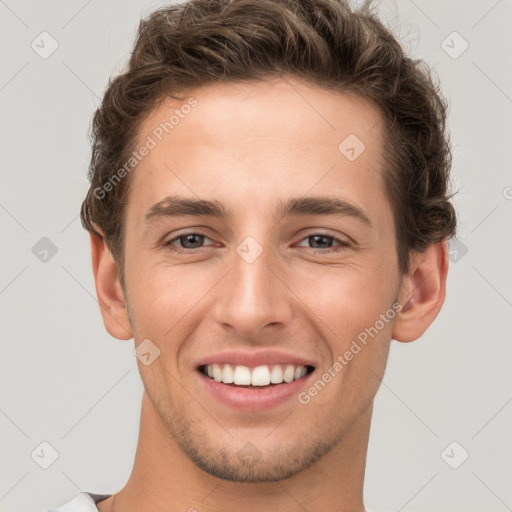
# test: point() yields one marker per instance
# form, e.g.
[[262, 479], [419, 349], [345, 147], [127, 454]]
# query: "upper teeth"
[[258, 376]]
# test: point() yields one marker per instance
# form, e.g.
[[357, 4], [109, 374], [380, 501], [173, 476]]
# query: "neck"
[[164, 478]]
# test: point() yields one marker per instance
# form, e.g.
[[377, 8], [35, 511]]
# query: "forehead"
[[285, 109], [263, 142]]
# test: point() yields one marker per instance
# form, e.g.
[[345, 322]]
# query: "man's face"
[[260, 287]]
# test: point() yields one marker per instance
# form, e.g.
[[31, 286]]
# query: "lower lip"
[[254, 399]]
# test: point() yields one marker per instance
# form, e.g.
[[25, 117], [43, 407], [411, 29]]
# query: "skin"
[[252, 146]]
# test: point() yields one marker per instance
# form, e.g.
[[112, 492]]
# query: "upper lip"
[[254, 358]]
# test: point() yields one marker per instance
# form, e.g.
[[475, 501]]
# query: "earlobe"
[[108, 290], [422, 292]]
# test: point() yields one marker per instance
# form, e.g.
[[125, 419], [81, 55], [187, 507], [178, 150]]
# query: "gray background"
[[65, 381]]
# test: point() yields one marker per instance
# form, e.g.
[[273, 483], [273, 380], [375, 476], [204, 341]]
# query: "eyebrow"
[[176, 206]]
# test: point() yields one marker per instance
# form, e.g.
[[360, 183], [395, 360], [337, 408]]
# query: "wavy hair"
[[323, 42]]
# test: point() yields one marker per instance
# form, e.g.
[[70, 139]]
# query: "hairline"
[[386, 142]]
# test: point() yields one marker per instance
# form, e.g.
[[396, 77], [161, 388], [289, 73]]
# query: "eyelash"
[[343, 244]]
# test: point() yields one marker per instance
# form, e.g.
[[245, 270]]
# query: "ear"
[[109, 291], [422, 292]]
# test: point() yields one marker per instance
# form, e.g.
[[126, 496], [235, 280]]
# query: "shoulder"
[[83, 502]]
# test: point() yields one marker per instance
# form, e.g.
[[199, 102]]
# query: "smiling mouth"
[[257, 377]]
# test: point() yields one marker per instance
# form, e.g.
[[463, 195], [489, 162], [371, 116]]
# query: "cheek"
[[357, 318], [354, 306], [348, 298], [162, 294]]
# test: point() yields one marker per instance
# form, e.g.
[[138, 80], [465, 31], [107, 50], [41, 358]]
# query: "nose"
[[254, 296]]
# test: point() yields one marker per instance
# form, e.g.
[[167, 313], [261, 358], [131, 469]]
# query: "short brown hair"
[[323, 42]]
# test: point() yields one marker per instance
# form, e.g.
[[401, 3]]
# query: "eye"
[[193, 242], [188, 242], [324, 241]]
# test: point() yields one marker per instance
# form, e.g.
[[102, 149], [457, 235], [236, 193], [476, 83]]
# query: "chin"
[[249, 463]]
